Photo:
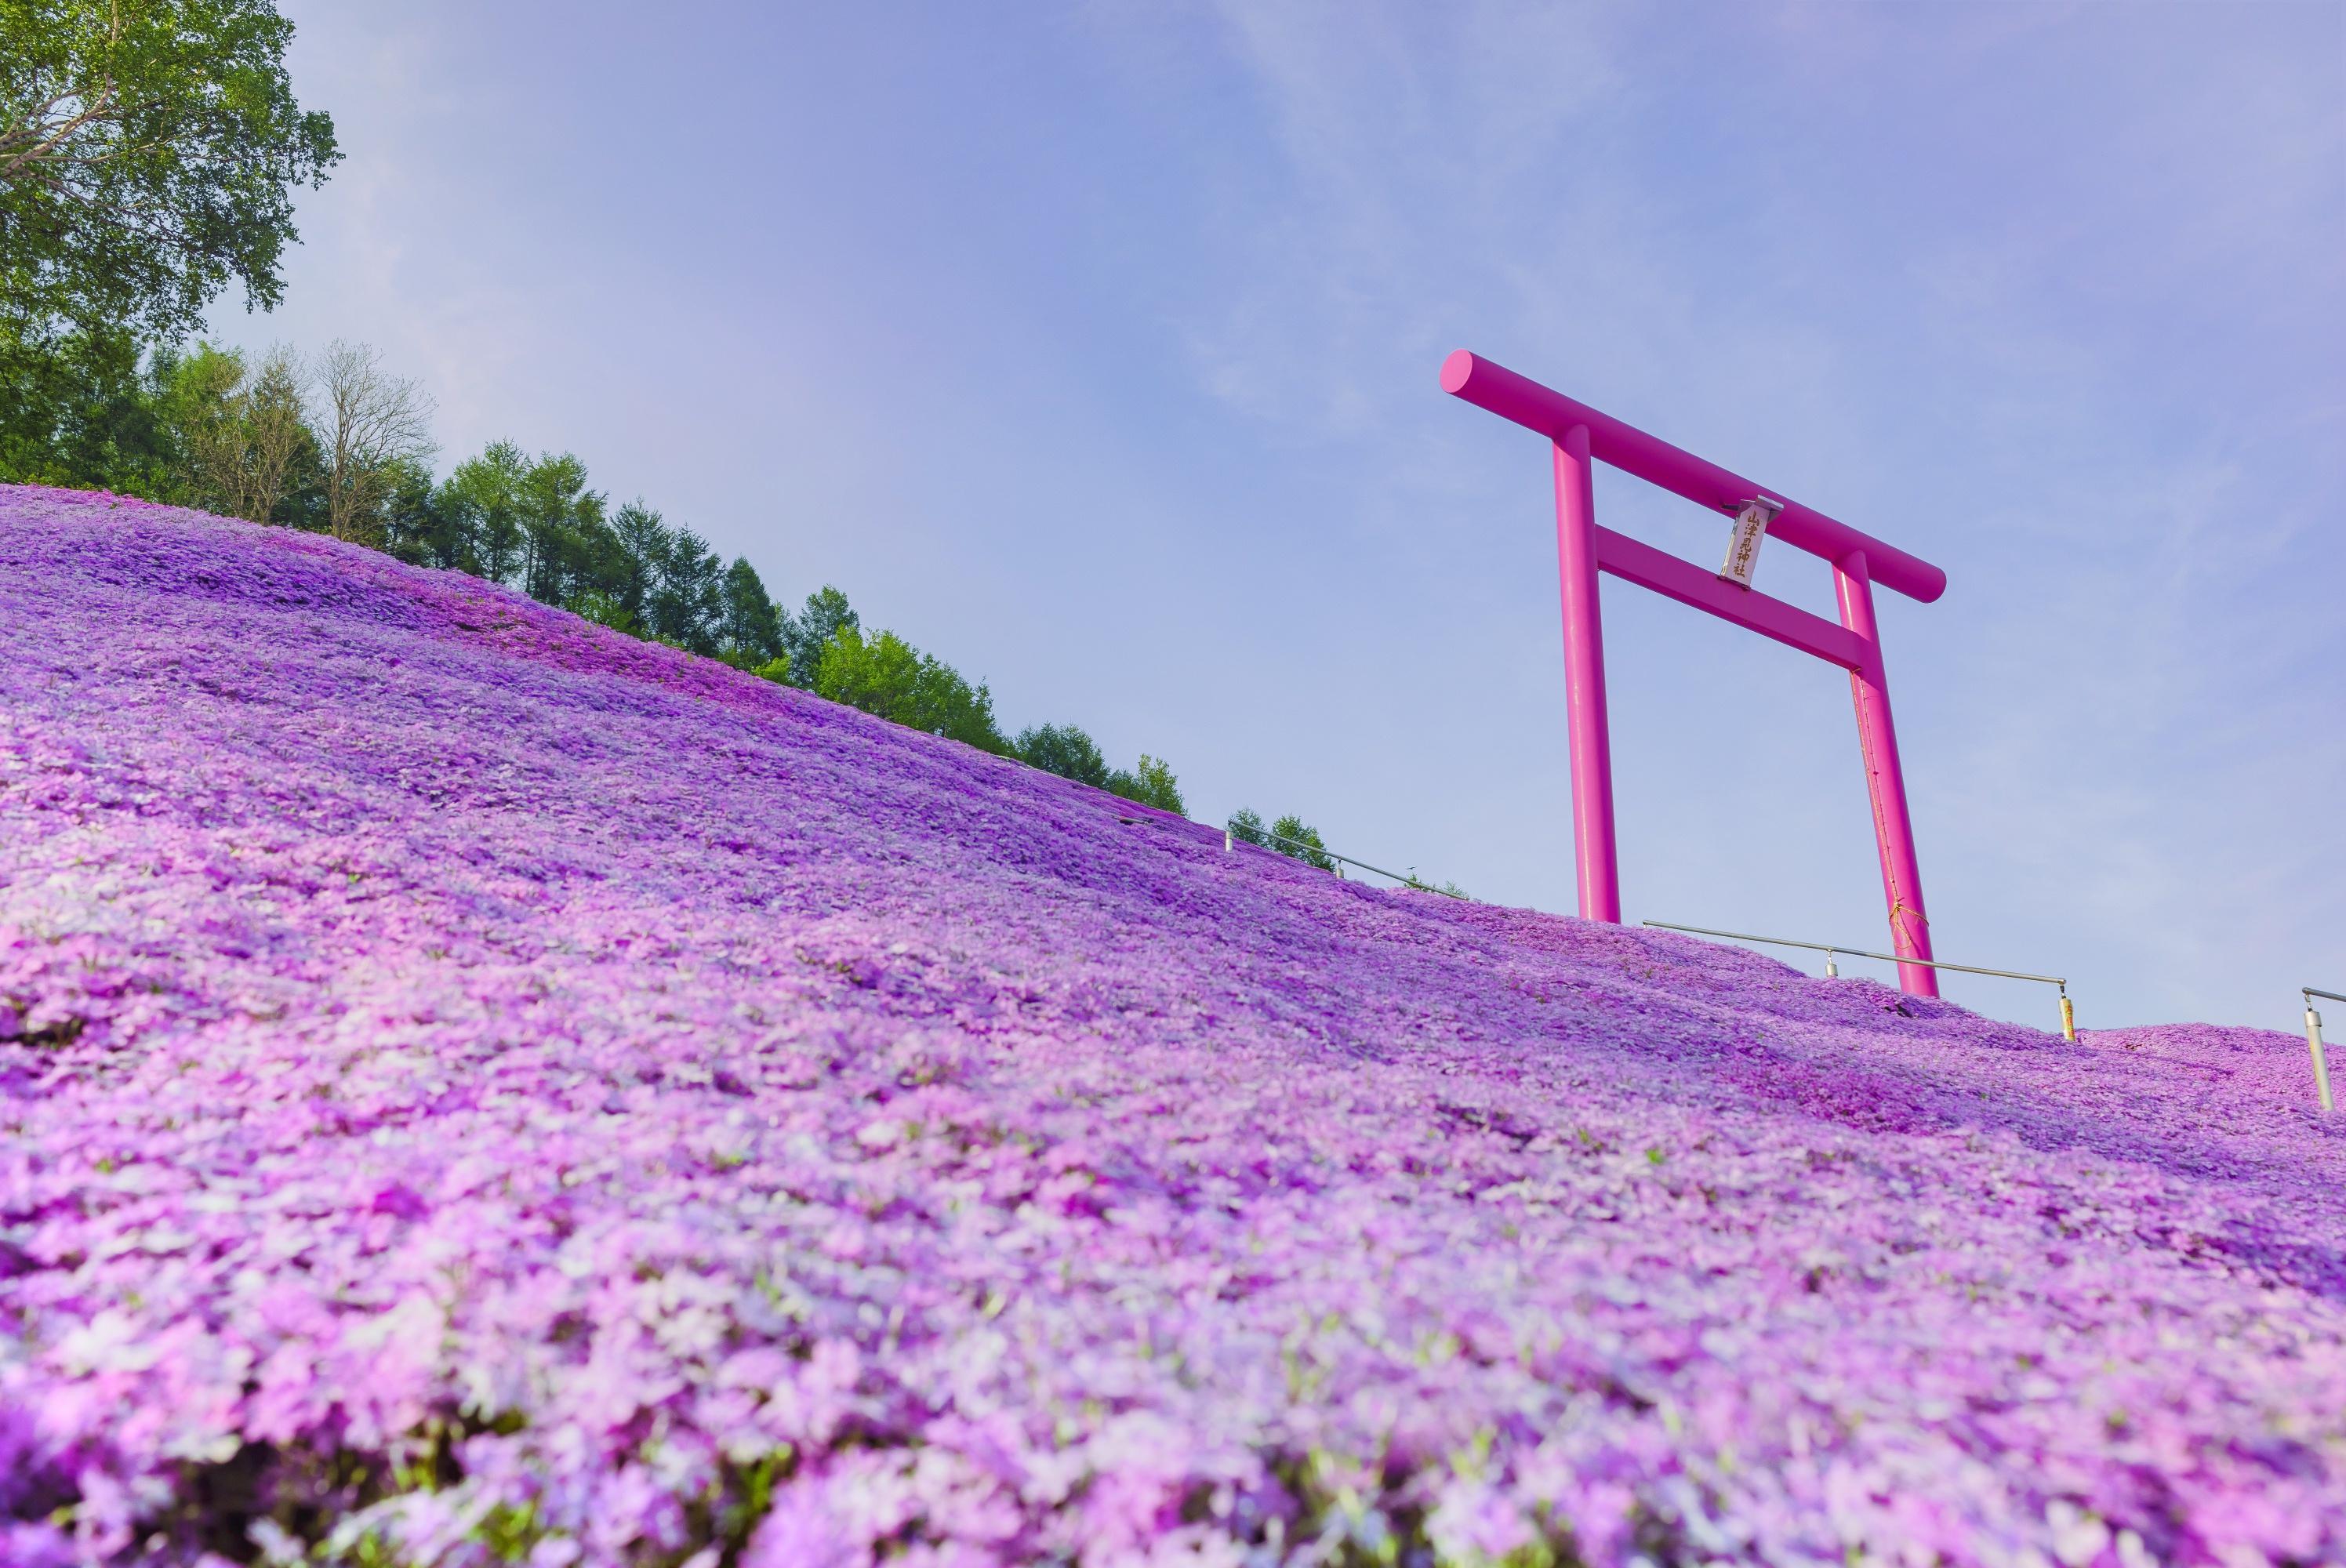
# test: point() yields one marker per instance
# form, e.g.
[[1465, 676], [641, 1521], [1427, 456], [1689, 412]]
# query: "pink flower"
[[617, 1107]]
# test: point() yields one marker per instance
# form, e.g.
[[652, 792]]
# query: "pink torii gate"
[[1579, 434]]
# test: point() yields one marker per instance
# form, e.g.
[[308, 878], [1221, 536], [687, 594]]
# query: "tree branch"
[[101, 108]]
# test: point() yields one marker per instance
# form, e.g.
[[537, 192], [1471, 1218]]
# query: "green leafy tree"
[[1151, 784], [1064, 751], [421, 528], [688, 597], [77, 408], [643, 539], [1246, 825], [604, 611], [148, 153], [749, 629], [559, 518], [242, 444], [481, 498], [951, 706], [284, 465], [598, 567], [810, 634], [886, 676], [1294, 838], [195, 394], [880, 675]]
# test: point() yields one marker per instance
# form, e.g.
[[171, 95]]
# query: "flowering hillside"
[[474, 1087]]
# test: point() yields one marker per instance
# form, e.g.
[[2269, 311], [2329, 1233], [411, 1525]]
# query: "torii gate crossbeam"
[[1579, 435]]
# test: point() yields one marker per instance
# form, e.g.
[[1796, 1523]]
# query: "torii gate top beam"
[[1501, 392]]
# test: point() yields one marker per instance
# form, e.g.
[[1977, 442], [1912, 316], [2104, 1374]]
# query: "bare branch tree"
[[368, 420]]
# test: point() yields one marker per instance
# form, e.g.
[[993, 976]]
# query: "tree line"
[[150, 155], [335, 443]]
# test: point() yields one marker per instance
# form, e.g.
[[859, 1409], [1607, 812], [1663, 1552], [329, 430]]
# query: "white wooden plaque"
[[1743, 544]]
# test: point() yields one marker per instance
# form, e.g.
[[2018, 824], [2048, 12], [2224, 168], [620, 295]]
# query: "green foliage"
[[148, 153], [878, 674], [1292, 837], [561, 527], [749, 629], [1067, 751], [482, 501], [75, 409], [202, 428], [643, 540], [241, 446], [687, 595], [195, 395], [888, 677], [825, 614], [1151, 784], [422, 527], [605, 611]]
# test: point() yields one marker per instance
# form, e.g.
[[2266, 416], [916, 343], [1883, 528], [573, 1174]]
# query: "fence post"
[[2320, 1062], [2068, 1018]]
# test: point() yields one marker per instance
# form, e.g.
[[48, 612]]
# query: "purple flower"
[[478, 1088]]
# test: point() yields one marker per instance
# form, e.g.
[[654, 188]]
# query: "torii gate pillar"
[[1597, 854], [1581, 436]]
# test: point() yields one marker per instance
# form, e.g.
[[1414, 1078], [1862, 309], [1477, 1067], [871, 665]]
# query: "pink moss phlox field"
[[476, 1088]]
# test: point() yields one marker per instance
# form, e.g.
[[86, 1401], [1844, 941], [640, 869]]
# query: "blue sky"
[[1093, 347]]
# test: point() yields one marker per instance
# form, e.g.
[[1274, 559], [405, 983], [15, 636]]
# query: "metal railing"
[[2314, 1043], [1835, 951], [1230, 840], [1833, 970]]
